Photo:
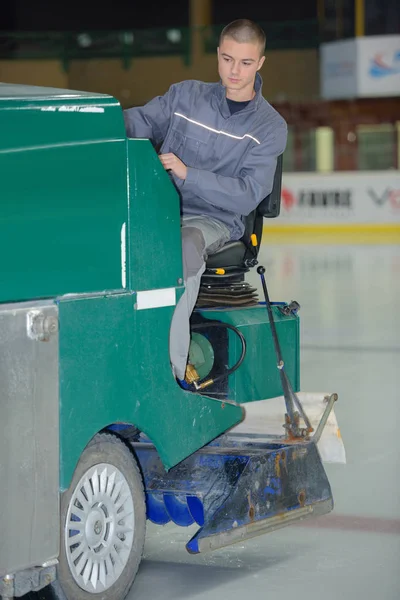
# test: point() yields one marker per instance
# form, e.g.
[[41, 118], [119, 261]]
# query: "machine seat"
[[235, 258], [230, 255]]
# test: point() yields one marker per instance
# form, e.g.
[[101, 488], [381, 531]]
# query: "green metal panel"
[[257, 378], [155, 248], [33, 116], [64, 192], [114, 366]]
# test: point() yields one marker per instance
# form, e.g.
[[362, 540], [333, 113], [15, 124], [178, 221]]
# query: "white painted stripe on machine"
[[123, 255], [236, 137], [155, 298], [72, 108]]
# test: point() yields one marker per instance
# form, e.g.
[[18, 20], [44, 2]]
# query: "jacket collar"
[[220, 95]]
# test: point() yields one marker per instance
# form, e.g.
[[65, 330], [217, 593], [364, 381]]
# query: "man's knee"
[[192, 236], [193, 242], [193, 249]]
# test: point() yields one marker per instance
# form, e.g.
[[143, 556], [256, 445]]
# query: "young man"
[[220, 143]]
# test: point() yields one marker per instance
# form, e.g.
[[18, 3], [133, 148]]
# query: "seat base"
[[229, 275]]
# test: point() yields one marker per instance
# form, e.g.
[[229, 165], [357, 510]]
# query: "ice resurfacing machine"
[[96, 436]]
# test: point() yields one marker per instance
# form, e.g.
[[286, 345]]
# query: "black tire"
[[109, 449]]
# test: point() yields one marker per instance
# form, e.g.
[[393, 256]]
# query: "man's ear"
[[260, 64], [218, 51]]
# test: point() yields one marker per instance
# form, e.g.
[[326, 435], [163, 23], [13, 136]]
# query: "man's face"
[[238, 65]]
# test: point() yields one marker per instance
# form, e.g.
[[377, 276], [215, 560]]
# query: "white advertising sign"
[[361, 67], [339, 198], [378, 66]]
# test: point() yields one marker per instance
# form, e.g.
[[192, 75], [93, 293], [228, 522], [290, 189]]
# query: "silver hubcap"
[[99, 530]]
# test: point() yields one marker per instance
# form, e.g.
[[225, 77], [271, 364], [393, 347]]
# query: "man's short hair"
[[244, 31]]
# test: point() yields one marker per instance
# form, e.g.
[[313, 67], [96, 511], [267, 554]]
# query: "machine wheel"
[[103, 523]]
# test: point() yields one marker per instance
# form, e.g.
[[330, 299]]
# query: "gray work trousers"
[[201, 236]]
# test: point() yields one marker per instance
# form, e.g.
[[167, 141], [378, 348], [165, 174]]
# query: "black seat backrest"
[[271, 205]]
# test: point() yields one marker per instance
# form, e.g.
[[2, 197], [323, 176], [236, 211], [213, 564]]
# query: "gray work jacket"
[[231, 159]]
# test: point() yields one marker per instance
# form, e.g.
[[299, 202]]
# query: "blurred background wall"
[[134, 51]]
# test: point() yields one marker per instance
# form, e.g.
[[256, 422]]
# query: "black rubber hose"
[[208, 324]]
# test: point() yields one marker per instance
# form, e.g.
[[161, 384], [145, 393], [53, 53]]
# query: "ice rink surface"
[[350, 344]]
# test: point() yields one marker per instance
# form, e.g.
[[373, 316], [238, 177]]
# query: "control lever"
[[292, 417]]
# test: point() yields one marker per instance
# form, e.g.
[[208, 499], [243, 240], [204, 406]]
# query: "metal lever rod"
[[290, 397], [330, 402]]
